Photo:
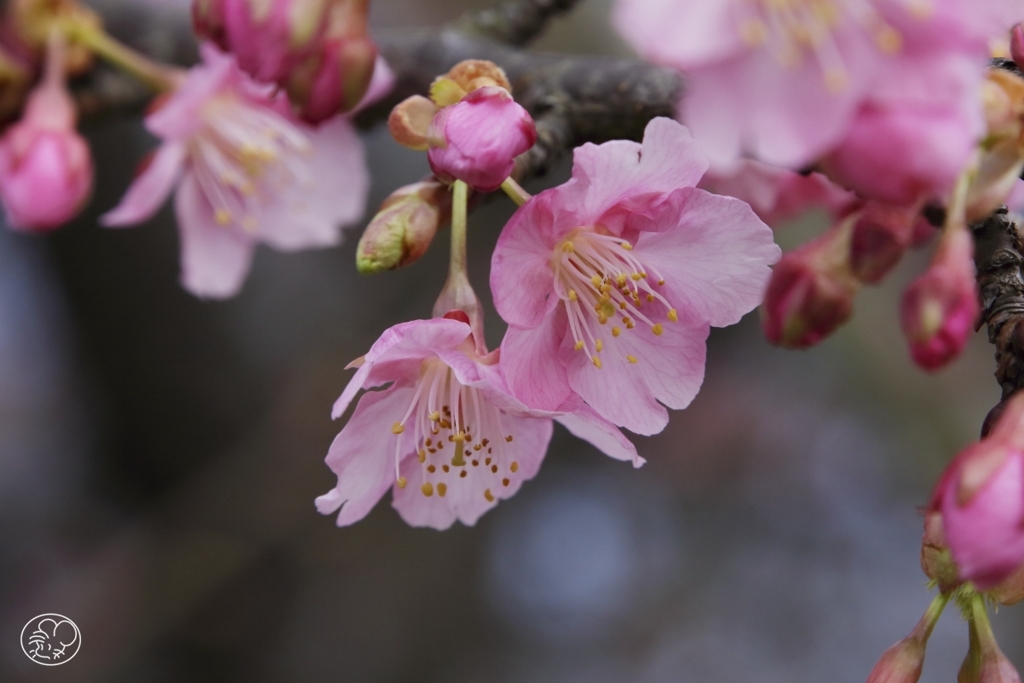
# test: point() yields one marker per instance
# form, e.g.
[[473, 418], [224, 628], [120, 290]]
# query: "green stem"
[[460, 201], [157, 76], [515, 191], [923, 630], [979, 616]]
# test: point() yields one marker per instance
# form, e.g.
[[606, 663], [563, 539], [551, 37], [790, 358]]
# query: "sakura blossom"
[[611, 282], [784, 82], [445, 436], [246, 173]]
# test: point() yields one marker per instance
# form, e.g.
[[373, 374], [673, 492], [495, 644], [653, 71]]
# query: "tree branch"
[[515, 22]]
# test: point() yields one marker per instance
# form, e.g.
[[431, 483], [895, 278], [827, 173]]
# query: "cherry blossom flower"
[[246, 173], [784, 81], [445, 436], [611, 281]]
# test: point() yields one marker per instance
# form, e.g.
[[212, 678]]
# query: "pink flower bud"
[[811, 291], [985, 662], [902, 663], [334, 80], [880, 237], [404, 227], [477, 139], [940, 307], [1017, 45], [936, 561], [46, 170], [981, 497]]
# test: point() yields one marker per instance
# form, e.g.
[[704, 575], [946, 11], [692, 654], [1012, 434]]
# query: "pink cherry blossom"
[[246, 173], [477, 139], [445, 436], [778, 194], [611, 281], [981, 496], [783, 82], [46, 170]]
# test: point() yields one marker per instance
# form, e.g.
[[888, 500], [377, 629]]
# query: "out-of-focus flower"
[[477, 139], [1001, 154], [811, 289], [985, 662], [940, 307], [1017, 45], [46, 169], [784, 82], [404, 226], [471, 127], [611, 281], [778, 194], [445, 436], [881, 235], [981, 498], [248, 173], [318, 50]]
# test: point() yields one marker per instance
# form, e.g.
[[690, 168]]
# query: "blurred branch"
[[998, 257], [515, 22]]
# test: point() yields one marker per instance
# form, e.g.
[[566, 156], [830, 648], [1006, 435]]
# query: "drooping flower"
[[46, 169], [611, 281], [246, 173], [981, 498], [784, 81], [445, 436]]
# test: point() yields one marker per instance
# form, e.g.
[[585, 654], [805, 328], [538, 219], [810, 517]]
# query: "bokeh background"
[[159, 457]]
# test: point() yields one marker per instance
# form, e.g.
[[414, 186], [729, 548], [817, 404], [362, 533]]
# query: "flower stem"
[[458, 294], [157, 76], [515, 191], [460, 203], [923, 630]]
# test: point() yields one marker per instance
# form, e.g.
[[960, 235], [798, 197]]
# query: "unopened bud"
[[334, 80], [936, 561], [880, 237], [402, 230], [940, 307], [985, 662], [1011, 590], [811, 290], [902, 663], [1017, 45]]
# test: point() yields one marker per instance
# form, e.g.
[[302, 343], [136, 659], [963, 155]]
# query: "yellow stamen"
[[488, 495], [631, 358], [397, 428], [673, 315], [514, 467], [442, 489], [657, 329], [428, 489], [597, 362], [402, 482], [616, 331]]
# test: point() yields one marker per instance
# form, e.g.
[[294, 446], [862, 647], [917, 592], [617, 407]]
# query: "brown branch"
[[515, 22]]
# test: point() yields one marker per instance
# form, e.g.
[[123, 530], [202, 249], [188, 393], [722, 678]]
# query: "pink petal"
[[669, 369], [150, 189], [399, 353], [180, 116], [583, 422], [531, 366], [670, 31], [310, 214], [214, 258], [713, 253], [365, 468], [466, 501]]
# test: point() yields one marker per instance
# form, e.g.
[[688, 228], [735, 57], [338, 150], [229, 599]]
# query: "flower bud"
[[902, 663], [1011, 590], [811, 290], [985, 662], [334, 80], [981, 497], [880, 237], [1017, 45], [46, 169], [936, 561], [404, 227], [477, 139], [940, 307]]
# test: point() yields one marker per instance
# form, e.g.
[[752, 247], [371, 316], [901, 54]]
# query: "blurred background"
[[159, 457]]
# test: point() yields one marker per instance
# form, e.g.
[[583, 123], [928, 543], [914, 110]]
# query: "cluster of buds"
[[318, 51]]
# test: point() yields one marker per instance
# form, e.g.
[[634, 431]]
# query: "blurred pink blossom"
[[46, 169], [477, 139], [981, 496], [246, 173], [611, 281], [785, 82], [445, 436]]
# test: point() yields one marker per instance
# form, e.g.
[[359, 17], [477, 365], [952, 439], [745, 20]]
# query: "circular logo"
[[50, 639]]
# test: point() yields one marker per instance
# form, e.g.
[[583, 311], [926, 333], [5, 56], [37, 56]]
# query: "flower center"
[[793, 29], [460, 438], [598, 278], [241, 147]]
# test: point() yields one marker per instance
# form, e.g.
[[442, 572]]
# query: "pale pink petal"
[[361, 458], [466, 499], [310, 212], [413, 506], [521, 279], [181, 115], [1015, 202], [623, 179], [399, 353], [381, 83], [531, 366], [670, 31], [149, 191], [214, 258], [713, 253], [669, 369], [583, 422]]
